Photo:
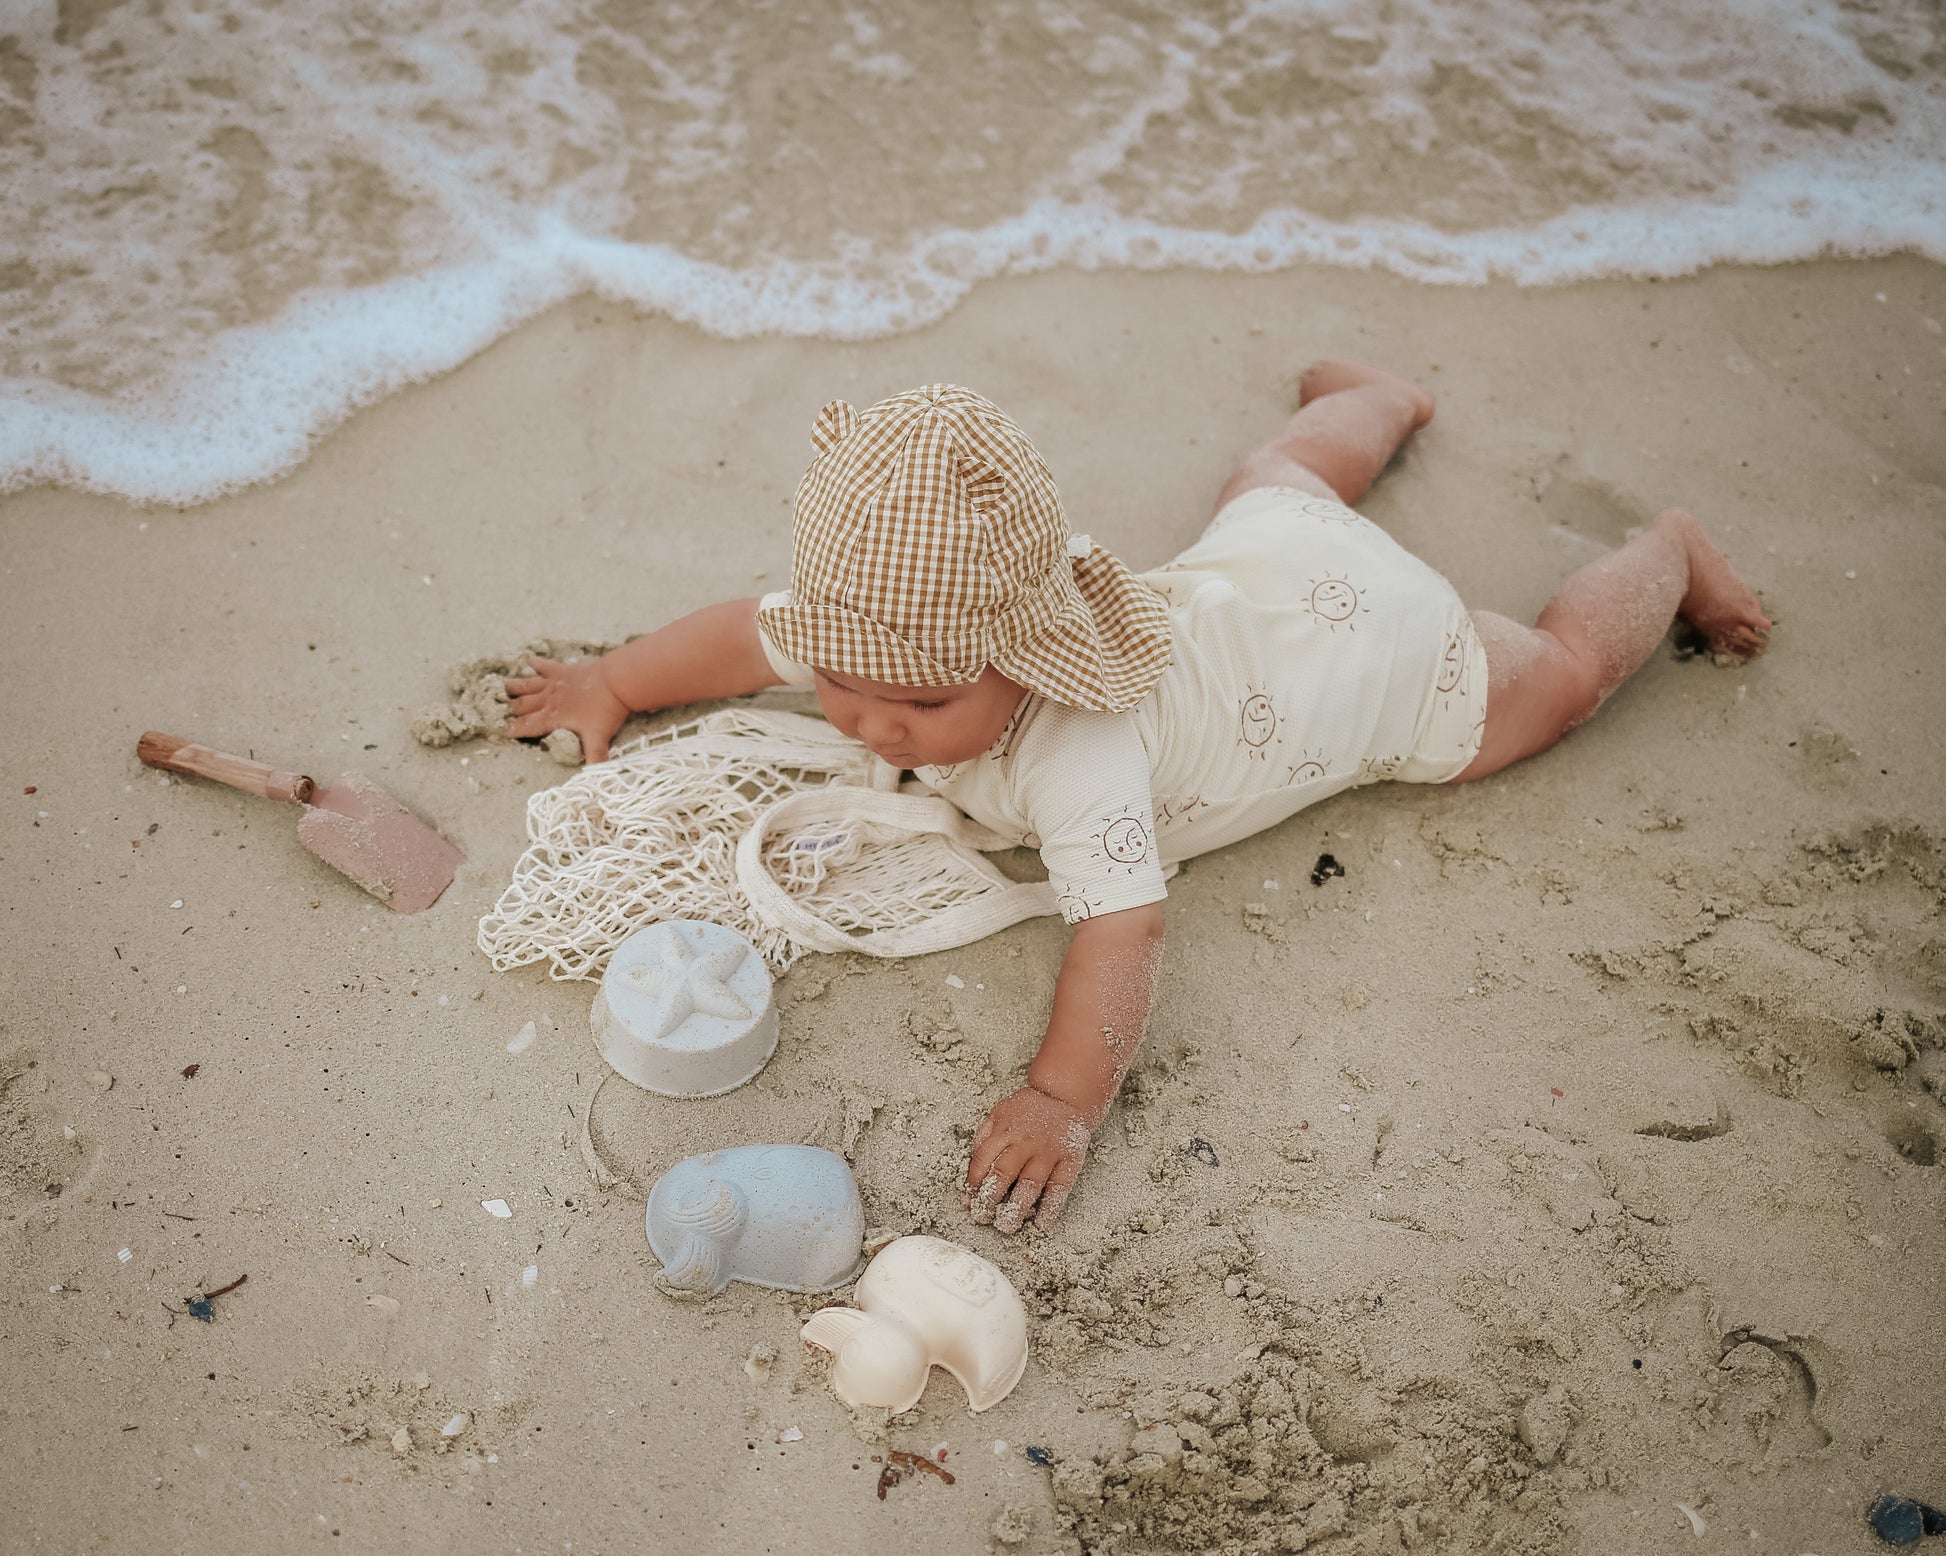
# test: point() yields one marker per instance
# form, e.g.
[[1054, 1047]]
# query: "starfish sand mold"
[[685, 984]]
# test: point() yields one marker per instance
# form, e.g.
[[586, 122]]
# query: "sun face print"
[[1074, 907], [1306, 769], [999, 749], [1329, 512], [1455, 670], [1373, 768], [1337, 602], [1180, 810], [1257, 721], [1124, 843]]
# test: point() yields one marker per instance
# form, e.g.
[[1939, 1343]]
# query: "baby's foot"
[[1722, 608], [1338, 374]]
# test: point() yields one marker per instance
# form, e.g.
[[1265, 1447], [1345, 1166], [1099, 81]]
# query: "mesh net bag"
[[771, 823]]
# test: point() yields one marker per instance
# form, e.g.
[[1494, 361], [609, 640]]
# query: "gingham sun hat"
[[930, 542]]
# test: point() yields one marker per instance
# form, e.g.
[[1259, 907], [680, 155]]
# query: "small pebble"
[[402, 1440], [1901, 1520], [177, 903], [125, 1255], [100, 1080], [530, 1277], [384, 1304], [791, 1434], [499, 1209], [456, 1425], [955, 981], [523, 1039]]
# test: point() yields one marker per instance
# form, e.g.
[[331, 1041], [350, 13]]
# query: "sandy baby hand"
[[1034, 1145], [572, 695]]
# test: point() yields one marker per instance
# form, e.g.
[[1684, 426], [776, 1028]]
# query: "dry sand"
[[1572, 1156]]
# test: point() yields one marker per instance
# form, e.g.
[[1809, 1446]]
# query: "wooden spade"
[[352, 824]]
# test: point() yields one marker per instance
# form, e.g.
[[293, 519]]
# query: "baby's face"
[[920, 726]]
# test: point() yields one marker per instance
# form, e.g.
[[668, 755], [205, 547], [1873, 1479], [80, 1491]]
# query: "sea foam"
[[228, 230]]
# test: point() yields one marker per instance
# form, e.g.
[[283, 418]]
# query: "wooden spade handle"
[[179, 756]]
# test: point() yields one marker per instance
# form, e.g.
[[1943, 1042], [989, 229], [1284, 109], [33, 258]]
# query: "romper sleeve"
[[788, 671], [1082, 782]]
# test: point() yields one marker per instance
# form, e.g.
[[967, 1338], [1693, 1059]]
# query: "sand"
[[1571, 1156]]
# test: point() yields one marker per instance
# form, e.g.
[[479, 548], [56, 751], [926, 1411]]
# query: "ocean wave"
[[230, 230]]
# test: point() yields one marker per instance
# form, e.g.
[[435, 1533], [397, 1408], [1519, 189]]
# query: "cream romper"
[[1312, 653]]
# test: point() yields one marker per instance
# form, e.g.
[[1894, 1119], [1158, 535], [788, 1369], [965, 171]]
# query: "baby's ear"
[[834, 424]]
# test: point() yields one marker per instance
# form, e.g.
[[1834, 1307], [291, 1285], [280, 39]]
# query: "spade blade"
[[355, 826]]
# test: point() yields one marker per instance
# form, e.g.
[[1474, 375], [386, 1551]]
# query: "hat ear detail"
[[986, 487], [835, 423]]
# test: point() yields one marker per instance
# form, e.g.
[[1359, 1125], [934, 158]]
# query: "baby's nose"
[[880, 728]]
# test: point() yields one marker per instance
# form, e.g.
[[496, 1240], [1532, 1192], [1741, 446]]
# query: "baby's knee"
[[1575, 682], [1538, 686]]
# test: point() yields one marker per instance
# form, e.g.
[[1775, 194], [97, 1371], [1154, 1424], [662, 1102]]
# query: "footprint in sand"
[[1584, 507], [1761, 1407]]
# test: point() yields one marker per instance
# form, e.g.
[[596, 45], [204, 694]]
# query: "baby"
[[949, 620]]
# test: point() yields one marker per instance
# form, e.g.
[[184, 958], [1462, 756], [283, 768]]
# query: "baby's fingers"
[[988, 1143], [1054, 1198], [533, 726], [995, 1183], [1027, 1189]]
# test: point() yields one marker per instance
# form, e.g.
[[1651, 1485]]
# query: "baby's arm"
[[1035, 1140], [710, 653]]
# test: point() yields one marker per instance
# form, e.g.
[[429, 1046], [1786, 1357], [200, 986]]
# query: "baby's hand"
[[570, 695], [1034, 1144]]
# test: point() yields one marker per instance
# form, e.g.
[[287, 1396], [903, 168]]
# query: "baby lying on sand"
[[949, 620]]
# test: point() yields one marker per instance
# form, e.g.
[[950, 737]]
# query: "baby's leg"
[[1351, 419], [1597, 632]]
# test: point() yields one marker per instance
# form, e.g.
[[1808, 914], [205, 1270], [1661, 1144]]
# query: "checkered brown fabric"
[[930, 542]]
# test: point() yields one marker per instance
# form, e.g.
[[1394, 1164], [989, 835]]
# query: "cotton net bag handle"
[[918, 849]]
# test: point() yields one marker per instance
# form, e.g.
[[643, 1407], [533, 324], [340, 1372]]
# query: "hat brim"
[[1106, 645], [835, 637]]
